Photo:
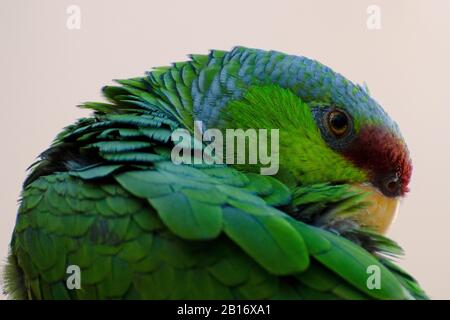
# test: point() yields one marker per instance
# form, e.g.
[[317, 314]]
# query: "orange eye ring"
[[338, 122]]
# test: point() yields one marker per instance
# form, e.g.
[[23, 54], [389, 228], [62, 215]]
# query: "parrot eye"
[[336, 126], [338, 122]]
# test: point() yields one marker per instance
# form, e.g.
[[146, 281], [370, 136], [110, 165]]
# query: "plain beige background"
[[47, 69]]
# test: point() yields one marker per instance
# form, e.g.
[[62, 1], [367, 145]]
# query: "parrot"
[[107, 202]]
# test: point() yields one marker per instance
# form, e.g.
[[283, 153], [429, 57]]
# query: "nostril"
[[389, 184], [392, 185]]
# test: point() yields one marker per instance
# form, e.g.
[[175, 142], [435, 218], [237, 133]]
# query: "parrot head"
[[333, 131], [369, 141]]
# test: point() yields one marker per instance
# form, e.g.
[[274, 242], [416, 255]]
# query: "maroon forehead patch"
[[384, 156]]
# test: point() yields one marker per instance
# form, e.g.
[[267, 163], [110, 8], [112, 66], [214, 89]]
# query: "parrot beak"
[[382, 211]]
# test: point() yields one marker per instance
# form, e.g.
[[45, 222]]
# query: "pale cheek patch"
[[382, 211]]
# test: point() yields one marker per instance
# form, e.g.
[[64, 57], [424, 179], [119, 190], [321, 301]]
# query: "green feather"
[[106, 197]]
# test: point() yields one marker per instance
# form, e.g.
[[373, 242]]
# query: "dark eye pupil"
[[338, 121], [392, 185]]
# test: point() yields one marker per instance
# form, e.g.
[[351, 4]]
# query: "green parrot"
[[106, 205]]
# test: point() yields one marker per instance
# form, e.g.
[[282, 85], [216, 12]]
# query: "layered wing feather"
[[139, 226]]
